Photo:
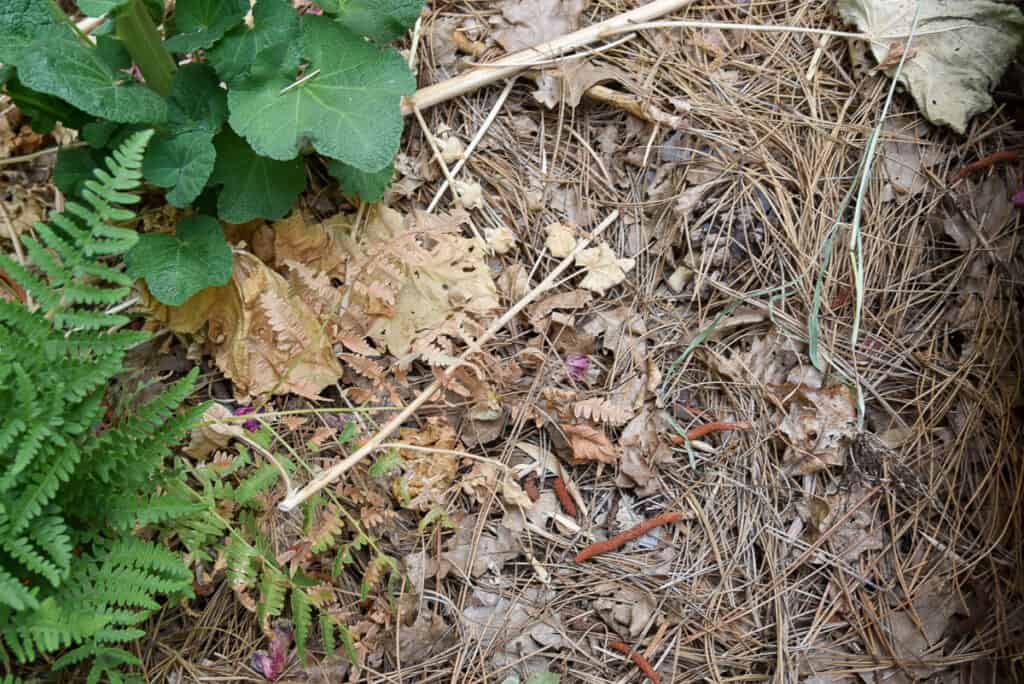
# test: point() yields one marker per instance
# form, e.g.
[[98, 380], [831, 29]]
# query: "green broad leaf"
[[78, 74], [350, 110], [97, 8], [183, 163], [74, 167], [254, 186], [99, 133], [263, 50], [114, 53], [177, 266], [369, 186], [44, 110], [379, 20], [387, 463], [196, 100], [22, 22], [201, 23]]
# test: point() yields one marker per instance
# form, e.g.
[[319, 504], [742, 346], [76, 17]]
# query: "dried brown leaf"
[[589, 443]]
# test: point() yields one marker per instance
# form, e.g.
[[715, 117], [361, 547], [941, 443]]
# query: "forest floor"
[[861, 523]]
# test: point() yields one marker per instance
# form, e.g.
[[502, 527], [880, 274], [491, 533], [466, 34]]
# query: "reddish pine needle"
[[637, 658], [986, 162], [708, 428], [568, 505], [618, 540]]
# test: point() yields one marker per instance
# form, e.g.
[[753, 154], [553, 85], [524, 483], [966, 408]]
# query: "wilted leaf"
[[213, 432], [262, 337], [589, 443], [428, 474], [604, 269], [959, 52]]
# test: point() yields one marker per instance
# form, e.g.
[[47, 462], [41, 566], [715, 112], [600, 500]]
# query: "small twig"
[[563, 497], [618, 540], [637, 658], [773, 28], [37, 154], [338, 469], [473, 143]]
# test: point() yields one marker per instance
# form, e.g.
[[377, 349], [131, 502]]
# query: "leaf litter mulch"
[[678, 368]]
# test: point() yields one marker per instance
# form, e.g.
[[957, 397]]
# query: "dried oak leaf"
[[531, 22], [818, 424], [261, 336], [589, 443], [604, 269]]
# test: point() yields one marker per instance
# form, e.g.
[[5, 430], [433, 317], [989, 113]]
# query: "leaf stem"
[[139, 34]]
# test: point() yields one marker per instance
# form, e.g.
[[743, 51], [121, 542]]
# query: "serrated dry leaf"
[[958, 53], [262, 337], [589, 443], [604, 411], [604, 269], [560, 241]]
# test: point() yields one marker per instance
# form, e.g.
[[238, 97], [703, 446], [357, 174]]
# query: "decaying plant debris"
[[801, 548]]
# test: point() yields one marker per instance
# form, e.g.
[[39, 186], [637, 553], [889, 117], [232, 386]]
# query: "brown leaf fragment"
[[589, 443], [818, 424], [531, 22]]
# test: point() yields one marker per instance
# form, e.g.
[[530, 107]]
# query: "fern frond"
[[273, 590], [69, 578], [302, 618]]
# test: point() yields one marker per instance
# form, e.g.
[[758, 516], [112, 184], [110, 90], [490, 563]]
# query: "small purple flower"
[[270, 664], [578, 365], [1018, 198], [252, 425]]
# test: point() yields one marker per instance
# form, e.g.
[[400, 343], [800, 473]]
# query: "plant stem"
[[138, 32]]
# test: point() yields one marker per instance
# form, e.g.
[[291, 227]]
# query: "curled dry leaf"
[[604, 269], [213, 432], [818, 424], [958, 53], [560, 241], [858, 533], [589, 443], [263, 338], [567, 82], [502, 240]]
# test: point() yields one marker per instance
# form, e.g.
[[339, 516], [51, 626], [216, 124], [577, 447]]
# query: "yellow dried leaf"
[[560, 241], [589, 443], [604, 269]]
